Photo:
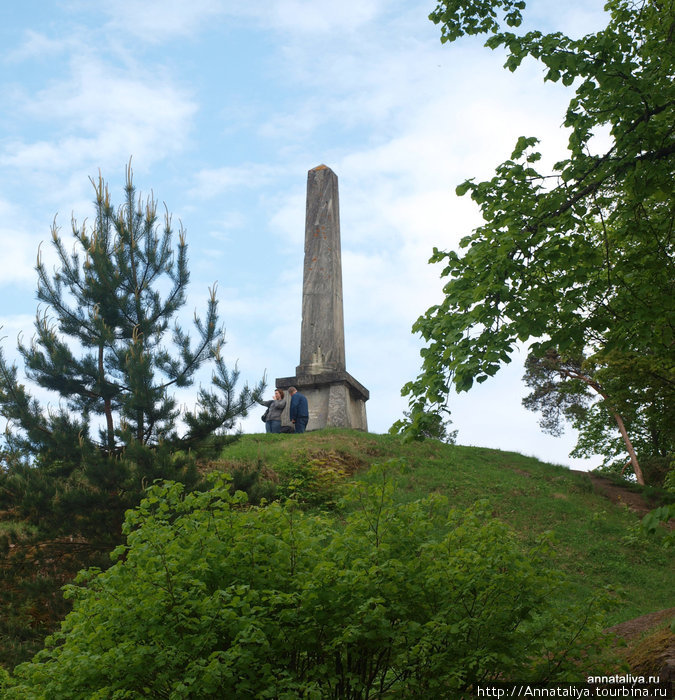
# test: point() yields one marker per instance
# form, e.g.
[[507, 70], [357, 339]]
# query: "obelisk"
[[335, 398]]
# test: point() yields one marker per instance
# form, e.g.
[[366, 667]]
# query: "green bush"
[[253, 483], [312, 480], [210, 598], [57, 518]]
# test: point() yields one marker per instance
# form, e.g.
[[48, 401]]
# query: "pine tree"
[[107, 343]]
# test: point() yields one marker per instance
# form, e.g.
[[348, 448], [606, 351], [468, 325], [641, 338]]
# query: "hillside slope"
[[597, 541]]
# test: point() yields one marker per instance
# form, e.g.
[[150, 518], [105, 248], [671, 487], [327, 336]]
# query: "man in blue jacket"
[[299, 410]]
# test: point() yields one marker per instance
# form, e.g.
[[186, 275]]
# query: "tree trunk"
[[107, 404], [617, 417], [629, 446]]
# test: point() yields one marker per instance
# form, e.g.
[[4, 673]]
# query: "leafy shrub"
[[212, 599], [656, 468], [58, 517], [658, 520], [316, 479], [253, 482]]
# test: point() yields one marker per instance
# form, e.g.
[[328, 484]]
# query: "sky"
[[223, 107]]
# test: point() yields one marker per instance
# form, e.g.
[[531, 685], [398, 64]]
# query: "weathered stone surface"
[[322, 344], [335, 398]]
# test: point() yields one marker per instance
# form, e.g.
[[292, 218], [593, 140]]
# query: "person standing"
[[299, 412], [274, 409]]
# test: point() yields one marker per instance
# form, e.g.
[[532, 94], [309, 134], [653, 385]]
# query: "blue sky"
[[224, 106]]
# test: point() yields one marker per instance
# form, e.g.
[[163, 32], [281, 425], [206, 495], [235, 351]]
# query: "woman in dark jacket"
[[274, 410]]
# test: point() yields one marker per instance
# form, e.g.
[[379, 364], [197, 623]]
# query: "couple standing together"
[[299, 411]]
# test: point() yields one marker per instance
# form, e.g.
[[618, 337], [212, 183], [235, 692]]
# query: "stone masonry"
[[335, 398]]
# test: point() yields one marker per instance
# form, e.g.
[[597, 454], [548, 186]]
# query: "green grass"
[[596, 542]]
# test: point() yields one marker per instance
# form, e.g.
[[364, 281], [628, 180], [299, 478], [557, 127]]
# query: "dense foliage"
[[212, 599], [109, 355], [577, 261]]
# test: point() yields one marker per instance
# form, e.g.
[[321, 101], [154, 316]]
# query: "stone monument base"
[[336, 400]]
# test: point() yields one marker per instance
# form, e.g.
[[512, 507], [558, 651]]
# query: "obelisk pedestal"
[[335, 398]]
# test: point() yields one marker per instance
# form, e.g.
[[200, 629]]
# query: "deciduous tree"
[[579, 259]]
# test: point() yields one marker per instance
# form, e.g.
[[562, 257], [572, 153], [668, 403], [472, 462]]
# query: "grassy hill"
[[597, 541]]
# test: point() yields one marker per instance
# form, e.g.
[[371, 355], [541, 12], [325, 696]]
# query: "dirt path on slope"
[[618, 494], [650, 644]]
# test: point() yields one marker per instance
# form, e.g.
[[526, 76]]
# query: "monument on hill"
[[335, 398]]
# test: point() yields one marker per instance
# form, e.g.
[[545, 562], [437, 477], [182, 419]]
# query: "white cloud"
[[212, 182], [157, 21], [310, 17], [19, 248], [37, 45], [102, 116], [288, 219], [14, 325], [224, 227], [573, 19]]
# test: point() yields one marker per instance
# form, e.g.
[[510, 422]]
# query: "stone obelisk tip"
[[322, 344]]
